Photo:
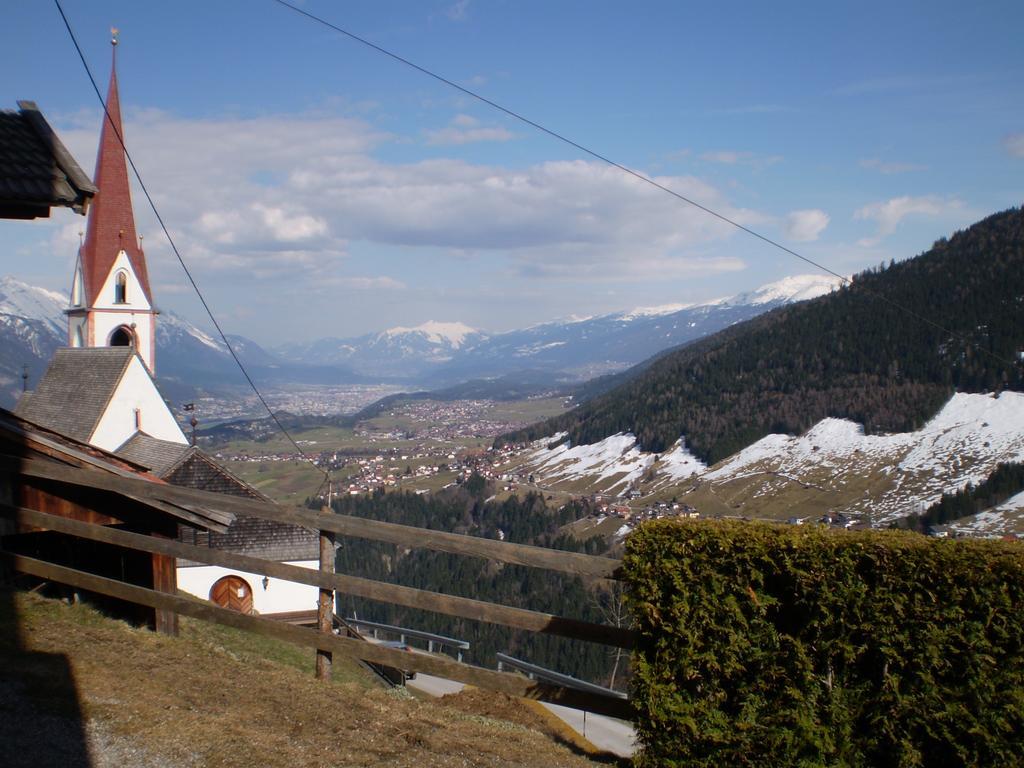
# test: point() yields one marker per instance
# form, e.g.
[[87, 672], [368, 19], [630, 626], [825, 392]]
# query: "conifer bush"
[[763, 645]]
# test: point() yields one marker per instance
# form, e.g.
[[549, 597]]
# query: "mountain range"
[[887, 350], [434, 354], [580, 348], [874, 399]]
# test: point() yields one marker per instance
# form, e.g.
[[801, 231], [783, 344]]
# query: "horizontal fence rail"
[[557, 677], [208, 503], [409, 597], [430, 637], [439, 666]]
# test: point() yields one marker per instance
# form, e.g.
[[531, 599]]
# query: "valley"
[[798, 401]]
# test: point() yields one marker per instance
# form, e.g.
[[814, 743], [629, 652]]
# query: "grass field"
[[527, 411], [290, 482], [79, 689]]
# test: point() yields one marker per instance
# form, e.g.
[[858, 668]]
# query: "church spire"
[[111, 227], [111, 301]]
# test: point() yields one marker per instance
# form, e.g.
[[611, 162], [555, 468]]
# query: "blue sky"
[[318, 188]]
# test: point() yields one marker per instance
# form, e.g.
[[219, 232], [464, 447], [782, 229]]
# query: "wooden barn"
[[31, 462]]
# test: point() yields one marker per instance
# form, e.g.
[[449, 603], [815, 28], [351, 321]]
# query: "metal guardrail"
[[403, 632], [557, 677]]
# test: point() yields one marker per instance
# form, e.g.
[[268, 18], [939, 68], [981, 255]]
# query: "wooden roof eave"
[[58, 454]]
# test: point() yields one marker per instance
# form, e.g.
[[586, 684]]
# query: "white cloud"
[[806, 225], [289, 227], [467, 130], [1014, 144], [734, 157], [891, 167], [889, 213], [382, 283], [274, 197]]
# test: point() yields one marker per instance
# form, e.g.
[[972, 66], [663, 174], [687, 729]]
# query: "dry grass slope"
[[212, 698]]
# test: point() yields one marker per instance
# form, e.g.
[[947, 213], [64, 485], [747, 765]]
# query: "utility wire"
[[625, 169], [181, 261]]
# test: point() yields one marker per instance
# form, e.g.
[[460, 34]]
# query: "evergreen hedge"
[[764, 645]]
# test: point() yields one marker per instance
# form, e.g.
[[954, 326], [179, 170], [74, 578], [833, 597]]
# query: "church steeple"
[[111, 301]]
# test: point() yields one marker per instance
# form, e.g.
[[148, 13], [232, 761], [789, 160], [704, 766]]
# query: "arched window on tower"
[[121, 288], [122, 337], [79, 337]]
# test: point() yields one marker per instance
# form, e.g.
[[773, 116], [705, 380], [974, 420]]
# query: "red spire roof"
[[111, 226]]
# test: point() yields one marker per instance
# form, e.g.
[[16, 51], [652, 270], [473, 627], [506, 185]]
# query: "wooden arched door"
[[232, 592]]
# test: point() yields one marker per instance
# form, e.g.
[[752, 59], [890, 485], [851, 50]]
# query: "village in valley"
[[774, 517]]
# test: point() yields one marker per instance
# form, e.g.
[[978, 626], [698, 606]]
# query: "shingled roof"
[[36, 169], [75, 390], [160, 456]]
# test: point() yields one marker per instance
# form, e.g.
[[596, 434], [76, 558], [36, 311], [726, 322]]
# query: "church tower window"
[[122, 337], [121, 288]]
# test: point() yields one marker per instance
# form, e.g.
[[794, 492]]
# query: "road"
[[605, 733]]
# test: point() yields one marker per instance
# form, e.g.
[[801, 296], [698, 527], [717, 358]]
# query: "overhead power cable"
[[625, 169], [177, 253]]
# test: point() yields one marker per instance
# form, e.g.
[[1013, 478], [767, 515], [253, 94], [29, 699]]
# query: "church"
[[100, 390]]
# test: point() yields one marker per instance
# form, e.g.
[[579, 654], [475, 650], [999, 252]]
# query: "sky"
[[316, 187]]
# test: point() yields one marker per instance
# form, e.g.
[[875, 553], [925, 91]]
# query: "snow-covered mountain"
[[833, 466], [608, 343], [408, 353], [31, 328], [581, 347], [32, 325]]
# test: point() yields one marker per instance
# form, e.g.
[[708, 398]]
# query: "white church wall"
[[278, 596], [135, 311], [136, 391], [105, 323], [135, 298]]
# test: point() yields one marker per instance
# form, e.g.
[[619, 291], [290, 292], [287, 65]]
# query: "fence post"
[[325, 605]]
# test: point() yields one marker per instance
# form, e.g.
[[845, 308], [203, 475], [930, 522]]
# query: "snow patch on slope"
[[993, 522], [961, 444], [611, 464], [679, 463]]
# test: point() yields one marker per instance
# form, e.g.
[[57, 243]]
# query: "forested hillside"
[[526, 520], [866, 352]]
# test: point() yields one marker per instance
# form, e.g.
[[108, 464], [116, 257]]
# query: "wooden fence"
[[324, 640]]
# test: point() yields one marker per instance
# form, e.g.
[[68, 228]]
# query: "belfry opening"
[[122, 337]]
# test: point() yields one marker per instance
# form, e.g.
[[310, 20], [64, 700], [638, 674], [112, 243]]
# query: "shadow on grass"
[[41, 720]]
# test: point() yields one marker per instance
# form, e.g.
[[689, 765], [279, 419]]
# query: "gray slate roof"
[[75, 390], [160, 456], [36, 169]]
